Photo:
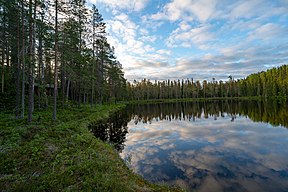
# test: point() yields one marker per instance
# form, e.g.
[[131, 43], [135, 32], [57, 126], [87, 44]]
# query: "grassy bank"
[[63, 155]]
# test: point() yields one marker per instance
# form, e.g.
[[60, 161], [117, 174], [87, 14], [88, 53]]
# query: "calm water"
[[205, 146]]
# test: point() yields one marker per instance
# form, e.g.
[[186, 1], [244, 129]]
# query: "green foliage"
[[272, 83]]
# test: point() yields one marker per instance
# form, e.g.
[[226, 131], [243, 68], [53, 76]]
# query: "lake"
[[204, 146]]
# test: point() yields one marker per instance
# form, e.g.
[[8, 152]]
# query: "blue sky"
[[200, 39]]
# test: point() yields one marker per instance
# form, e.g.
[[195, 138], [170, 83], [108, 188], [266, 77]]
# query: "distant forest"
[[55, 54], [272, 83]]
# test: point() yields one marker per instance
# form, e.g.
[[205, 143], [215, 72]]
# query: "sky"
[[199, 39]]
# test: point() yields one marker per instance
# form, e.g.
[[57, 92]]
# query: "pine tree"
[[54, 115], [98, 32], [31, 64]]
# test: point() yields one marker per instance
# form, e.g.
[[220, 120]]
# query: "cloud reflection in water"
[[209, 155]]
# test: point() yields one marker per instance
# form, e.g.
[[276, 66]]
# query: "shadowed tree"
[[31, 63], [54, 116]]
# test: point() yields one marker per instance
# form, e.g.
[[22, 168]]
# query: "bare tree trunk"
[[3, 60], [40, 70], [101, 87], [42, 91], [84, 98], [93, 67], [79, 94], [56, 64], [63, 83], [33, 52], [3, 68], [93, 82], [7, 59], [67, 90], [30, 67], [7, 56], [44, 85], [23, 62], [18, 73]]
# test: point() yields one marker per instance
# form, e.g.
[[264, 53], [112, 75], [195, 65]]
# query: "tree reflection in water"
[[272, 112], [113, 130]]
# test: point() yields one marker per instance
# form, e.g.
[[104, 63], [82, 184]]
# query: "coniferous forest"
[[268, 84], [53, 53]]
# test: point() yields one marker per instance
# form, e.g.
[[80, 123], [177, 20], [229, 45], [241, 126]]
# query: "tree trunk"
[[30, 67], [33, 53], [56, 63], [23, 61], [7, 55], [3, 59], [67, 90], [41, 86], [63, 83], [93, 65], [79, 94], [3, 68], [18, 73], [93, 73]]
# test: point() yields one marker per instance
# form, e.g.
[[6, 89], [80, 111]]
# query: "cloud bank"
[[200, 39]]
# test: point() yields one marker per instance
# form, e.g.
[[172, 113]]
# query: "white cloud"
[[164, 52], [131, 5], [150, 23], [236, 61], [148, 38], [184, 26], [205, 10], [122, 27], [257, 8], [143, 31], [246, 9], [267, 31], [133, 50], [186, 37], [189, 10], [231, 37], [243, 25]]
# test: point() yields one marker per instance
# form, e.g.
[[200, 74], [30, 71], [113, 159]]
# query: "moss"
[[63, 155]]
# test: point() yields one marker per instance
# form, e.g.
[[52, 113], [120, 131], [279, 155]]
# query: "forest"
[[55, 51], [268, 84], [55, 54]]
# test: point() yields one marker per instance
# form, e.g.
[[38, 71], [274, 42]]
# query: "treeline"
[[272, 83], [48, 45]]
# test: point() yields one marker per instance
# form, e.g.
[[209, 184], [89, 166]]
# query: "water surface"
[[205, 146]]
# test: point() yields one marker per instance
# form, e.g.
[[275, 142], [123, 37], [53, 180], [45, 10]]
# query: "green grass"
[[63, 155]]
